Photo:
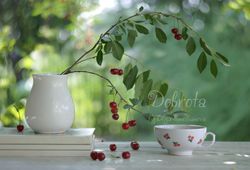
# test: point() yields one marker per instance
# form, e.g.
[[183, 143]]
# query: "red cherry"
[[178, 36], [93, 155], [112, 104], [20, 128], [114, 71], [132, 123], [126, 155], [134, 145], [125, 126], [112, 147], [114, 110], [174, 30], [120, 72], [100, 156], [115, 116]]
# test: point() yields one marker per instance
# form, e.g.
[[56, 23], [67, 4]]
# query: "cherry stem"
[[110, 83], [127, 115]]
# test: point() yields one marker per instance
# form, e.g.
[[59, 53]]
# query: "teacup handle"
[[213, 141]]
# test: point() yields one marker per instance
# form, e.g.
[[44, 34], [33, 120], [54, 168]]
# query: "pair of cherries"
[[116, 71], [176, 33], [97, 155], [128, 124]]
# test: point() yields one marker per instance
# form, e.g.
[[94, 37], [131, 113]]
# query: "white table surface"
[[223, 155]]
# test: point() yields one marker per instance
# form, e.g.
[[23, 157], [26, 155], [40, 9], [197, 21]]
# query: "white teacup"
[[181, 139]]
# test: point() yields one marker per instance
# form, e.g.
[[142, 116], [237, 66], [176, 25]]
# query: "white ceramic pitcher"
[[49, 108]]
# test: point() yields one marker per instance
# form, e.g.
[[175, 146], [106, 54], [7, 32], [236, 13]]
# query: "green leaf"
[[222, 59], [127, 69], [134, 101], [118, 37], [160, 35], [145, 75], [127, 106], [117, 50], [107, 47], [138, 85], [139, 21], [141, 78], [141, 29], [132, 34], [99, 57], [145, 91], [184, 33], [130, 78], [123, 29], [147, 16], [190, 46], [202, 62], [130, 24], [163, 89], [213, 68], [156, 87], [99, 47], [205, 47], [141, 9]]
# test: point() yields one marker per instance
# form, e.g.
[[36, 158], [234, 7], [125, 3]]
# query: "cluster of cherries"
[[176, 33], [114, 109], [116, 71], [125, 155], [99, 155]]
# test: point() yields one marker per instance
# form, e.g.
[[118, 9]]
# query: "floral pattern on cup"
[[176, 144], [190, 138], [166, 136], [200, 141]]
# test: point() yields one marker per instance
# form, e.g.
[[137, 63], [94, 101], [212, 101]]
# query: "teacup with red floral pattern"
[[181, 139]]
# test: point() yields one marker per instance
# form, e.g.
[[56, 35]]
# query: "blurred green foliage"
[[45, 36]]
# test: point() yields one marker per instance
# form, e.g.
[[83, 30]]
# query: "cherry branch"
[[110, 83], [79, 60], [120, 95]]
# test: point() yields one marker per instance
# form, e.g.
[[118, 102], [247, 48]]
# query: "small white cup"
[[181, 139]]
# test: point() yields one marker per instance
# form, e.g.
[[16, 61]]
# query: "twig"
[[111, 84]]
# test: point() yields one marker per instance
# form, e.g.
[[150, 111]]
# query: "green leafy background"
[[46, 36]]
